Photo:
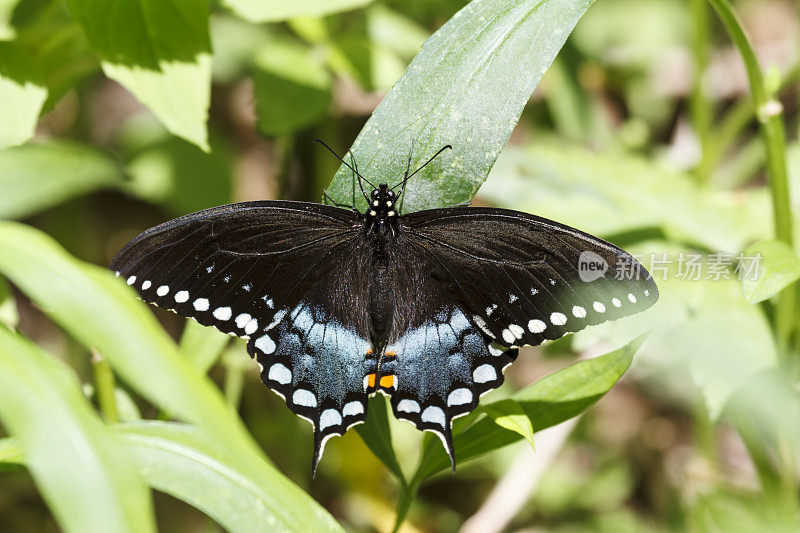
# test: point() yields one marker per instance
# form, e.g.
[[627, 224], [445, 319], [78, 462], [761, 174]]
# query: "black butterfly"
[[428, 307]]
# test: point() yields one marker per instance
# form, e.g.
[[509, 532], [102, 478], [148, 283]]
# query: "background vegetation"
[[666, 126]]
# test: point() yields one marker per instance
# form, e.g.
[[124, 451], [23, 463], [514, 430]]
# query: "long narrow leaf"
[[467, 87], [103, 313], [81, 467]]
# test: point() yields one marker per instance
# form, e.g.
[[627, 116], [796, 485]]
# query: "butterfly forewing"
[[523, 279], [281, 274]]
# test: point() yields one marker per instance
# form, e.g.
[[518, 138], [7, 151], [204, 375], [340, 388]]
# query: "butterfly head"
[[382, 204]]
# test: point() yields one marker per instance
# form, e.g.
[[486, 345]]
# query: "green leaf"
[[703, 328], [548, 402], [276, 10], [778, 267], [508, 414], [608, 193], [184, 462], [292, 87], [161, 52], [202, 345], [87, 479], [466, 87], [103, 312], [35, 177], [7, 32], [377, 435], [22, 95], [11, 457]]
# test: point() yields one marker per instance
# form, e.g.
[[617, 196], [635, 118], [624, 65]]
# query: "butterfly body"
[[428, 307]]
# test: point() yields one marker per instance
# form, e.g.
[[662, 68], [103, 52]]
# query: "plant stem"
[[700, 105], [769, 113], [104, 382]]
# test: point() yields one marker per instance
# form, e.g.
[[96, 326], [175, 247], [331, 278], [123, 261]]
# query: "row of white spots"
[[512, 333], [328, 418], [278, 372], [265, 344], [408, 406], [484, 374], [304, 397]]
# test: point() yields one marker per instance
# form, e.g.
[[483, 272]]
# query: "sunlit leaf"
[[22, 95], [79, 465], [776, 267], [103, 312], [35, 177], [7, 32], [508, 414], [275, 10], [202, 345], [468, 96], [292, 87], [160, 51], [550, 401]]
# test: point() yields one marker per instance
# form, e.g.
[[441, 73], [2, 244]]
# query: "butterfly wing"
[[491, 280], [525, 279], [280, 274]]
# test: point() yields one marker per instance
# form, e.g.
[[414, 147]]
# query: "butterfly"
[[427, 307]]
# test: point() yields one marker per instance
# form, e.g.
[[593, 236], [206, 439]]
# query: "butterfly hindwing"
[[524, 279], [281, 274]]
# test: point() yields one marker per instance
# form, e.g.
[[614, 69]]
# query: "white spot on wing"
[[616, 302], [536, 326], [276, 318], [182, 296], [223, 313], [201, 304], [600, 308], [328, 418], [495, 351], [242, 320], [251, 326], [459, 397], [408, 406], [353, 408], [434, 414], [162, 290], [304, 397], [280, 373], [558, 319], [146, 285], [265, 344], [512, 298], [482, 324], [579, 311], [484, 374], [131, 280], [516, 330], [631, 298], [508, 336]]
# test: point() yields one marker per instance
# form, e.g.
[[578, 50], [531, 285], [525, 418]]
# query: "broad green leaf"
[[161, 52], [22, 95], [610, 193], [276, 10], [11, 457], [777, 268], [377, 435], [394, 31], [508, 414], [548, 402], [35, 177], [7, 32], [103, 312], [8, 306], [702, 327], [466, 87], [80, 466], [184, 462], [292, 87], [202, 345]]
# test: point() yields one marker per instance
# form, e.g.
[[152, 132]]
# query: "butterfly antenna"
[[402, 183], [409, 176], [345, 163], [355, 166]]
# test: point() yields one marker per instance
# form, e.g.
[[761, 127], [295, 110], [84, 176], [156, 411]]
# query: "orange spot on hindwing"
[[387, 381]]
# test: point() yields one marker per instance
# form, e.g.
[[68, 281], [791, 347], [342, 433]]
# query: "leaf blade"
[[450, 89], [22, 95], [278, 10], [88, 478], [779, 267]]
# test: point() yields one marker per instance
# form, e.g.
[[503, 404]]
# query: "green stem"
[[700, 105], [769, 113], [407, 497], [104, 381]]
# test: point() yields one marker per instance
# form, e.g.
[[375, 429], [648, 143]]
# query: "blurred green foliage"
[[646, 130]]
